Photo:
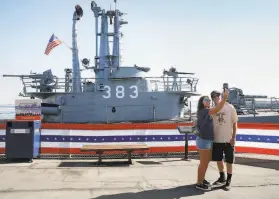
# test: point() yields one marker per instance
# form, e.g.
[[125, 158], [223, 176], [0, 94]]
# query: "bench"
[[100, 149]]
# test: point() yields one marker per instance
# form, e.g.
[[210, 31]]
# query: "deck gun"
[[44, 82], [174, 74], [247, 103]]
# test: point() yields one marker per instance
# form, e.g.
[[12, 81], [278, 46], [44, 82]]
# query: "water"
[[7, 111]]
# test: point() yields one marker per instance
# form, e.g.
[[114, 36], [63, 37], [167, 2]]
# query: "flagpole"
[[65, 43]]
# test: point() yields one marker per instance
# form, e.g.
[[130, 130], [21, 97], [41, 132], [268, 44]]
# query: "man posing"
[[225, 126]]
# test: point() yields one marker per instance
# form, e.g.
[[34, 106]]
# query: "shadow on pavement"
[[14, 161], [177, 192], [254, 162], [94, 164]]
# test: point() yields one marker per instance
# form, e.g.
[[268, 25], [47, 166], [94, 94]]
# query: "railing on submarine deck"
[[274, 103], [188, 84], [252, 106]]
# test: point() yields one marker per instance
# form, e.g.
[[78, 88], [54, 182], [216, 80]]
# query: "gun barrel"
[[22, 76], [12, 75], [255, 96]]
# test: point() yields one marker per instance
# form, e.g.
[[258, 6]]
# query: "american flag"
[[53, 42]]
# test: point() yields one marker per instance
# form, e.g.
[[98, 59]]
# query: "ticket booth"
[[23, 139]]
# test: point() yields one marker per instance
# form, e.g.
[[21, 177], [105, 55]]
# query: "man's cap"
[[215, 93]]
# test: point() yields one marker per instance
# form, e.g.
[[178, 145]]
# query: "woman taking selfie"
[[205, 136]]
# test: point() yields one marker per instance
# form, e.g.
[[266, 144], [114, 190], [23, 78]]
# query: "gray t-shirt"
[[205, 124]]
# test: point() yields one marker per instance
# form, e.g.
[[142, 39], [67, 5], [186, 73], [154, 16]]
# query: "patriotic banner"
[[69, 141]]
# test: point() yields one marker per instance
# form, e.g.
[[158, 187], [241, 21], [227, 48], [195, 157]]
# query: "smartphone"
[[225, 86]]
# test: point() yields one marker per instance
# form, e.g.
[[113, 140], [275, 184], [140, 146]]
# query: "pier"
[[255, 176]]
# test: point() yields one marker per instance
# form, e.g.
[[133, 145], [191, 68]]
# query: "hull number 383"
[[120, 92]]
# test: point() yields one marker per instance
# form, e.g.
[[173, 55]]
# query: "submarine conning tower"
[[107, 63]]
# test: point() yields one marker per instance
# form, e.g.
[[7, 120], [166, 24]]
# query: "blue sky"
[[220, 40]]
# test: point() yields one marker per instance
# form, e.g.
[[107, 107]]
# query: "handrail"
[[32, 85]]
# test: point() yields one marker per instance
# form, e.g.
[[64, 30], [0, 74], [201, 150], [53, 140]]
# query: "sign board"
[[28, 109], [20, 131]]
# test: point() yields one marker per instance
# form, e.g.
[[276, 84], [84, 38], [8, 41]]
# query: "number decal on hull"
[[107, 89], [120, 92], [135, 91]]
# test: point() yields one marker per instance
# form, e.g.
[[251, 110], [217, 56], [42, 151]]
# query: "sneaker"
[[227, 187], [220, 182], [203, 187], [206, 182]]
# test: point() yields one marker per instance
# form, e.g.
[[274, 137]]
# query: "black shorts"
[[221, 149]]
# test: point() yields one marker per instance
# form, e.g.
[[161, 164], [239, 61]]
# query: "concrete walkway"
[[145, 179]]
